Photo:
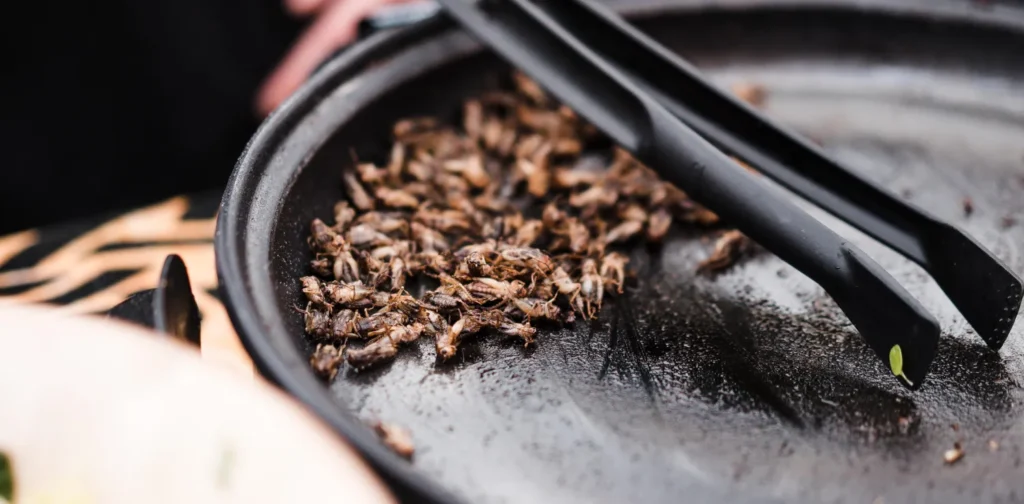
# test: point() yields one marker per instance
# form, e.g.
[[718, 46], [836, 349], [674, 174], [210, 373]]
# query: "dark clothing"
[[116, 103]]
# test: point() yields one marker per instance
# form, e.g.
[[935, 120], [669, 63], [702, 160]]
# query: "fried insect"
[[376, 324], [313, 290], [433, 322], [490, 289], [658, 224], [383, 348], [398, 271], [356, 192], [445, 303], [343, 216], [446, 221], [569, 288], [526, 258], [396, 198], [429, 239], [613, 270], [322, 266], [323, 239], [395, 249], [346, 268], [599, 195], [385, 222], [543, 288], [396, 438], [528, 233], [453, 287], [535, 308], [729, 247], [318, 320], [446, 343], [470, 168], [433, 262], [524, 331], [530, 89], [347, 293], [632, 212], [624, 232], [325, 361], [370, 174], [474, 265], [343, 324], [570, 178], [591, 287]]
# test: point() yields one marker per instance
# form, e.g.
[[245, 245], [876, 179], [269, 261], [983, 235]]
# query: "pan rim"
[[233, 221]]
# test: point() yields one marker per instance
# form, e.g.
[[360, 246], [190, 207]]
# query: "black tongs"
[[658, 107]]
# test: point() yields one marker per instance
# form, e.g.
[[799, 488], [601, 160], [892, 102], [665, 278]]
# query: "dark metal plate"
[[750, 386]]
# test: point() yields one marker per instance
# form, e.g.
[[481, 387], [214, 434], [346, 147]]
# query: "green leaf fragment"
[[6, 478], [896, 362]]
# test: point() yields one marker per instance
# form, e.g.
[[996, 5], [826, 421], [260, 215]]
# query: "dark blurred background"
[[114, 103]]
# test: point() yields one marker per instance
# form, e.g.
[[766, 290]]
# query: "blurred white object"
[[96, 411]]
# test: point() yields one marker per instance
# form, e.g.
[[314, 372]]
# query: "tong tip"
[[902, 333], [985, 290]]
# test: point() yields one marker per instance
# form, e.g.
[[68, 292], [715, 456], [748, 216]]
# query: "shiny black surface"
[[170, 308], [747, 387]]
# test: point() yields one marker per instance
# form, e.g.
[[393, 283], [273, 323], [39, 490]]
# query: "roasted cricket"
[[513, 217]]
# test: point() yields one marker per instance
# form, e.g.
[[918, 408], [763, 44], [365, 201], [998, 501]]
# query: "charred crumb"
[[954, 455], [396, 438], [451, 207]]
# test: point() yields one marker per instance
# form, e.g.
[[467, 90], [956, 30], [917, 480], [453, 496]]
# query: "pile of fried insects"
[[448, 210]]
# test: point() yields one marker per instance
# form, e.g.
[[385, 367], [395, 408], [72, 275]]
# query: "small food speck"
[[955, 427], [750, 92], [968, 205], [953, 456], [993, 445], [396, 438], [1007, 222]]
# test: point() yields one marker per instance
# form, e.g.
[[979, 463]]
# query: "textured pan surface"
[[750, 386]]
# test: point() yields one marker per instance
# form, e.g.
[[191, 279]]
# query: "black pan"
[[746, 387]]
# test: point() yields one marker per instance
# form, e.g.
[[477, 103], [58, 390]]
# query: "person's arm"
[[334, 25]]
